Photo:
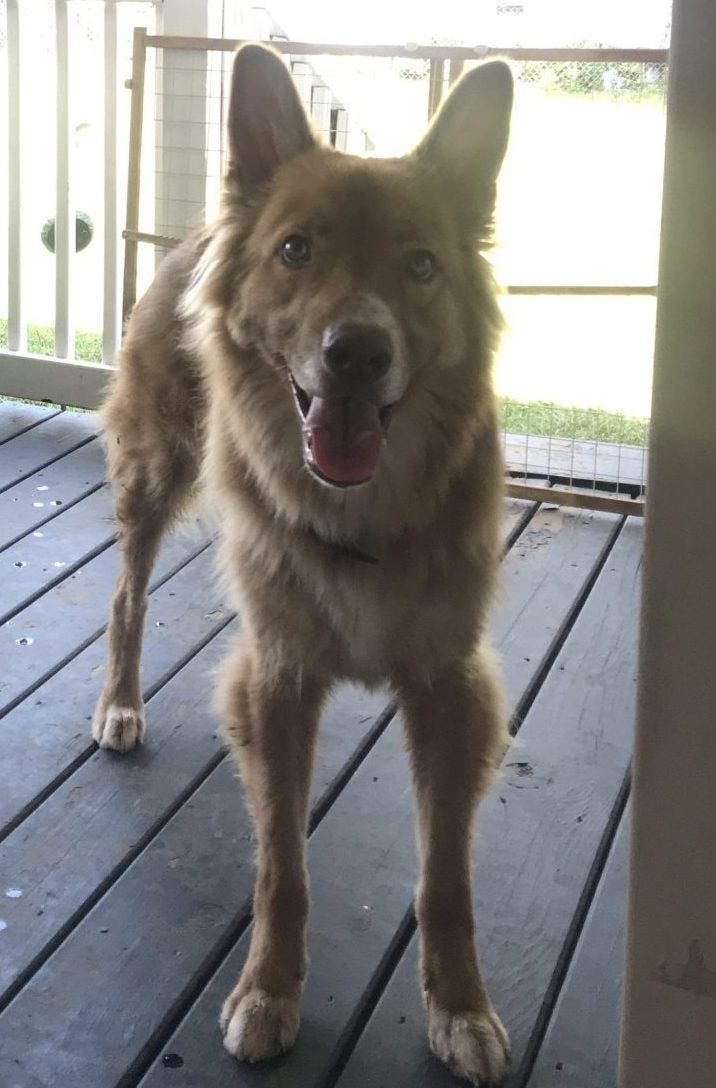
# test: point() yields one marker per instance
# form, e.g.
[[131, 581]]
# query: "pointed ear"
[[466, 142], [267, 122]]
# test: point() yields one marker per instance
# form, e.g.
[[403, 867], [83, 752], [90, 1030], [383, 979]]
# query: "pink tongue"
[[345, 437]]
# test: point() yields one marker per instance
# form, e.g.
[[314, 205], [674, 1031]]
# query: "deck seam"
[[382, 977], [66, 573], [406, 930], [520, 527], [66, 773], [30, 426], [242, 920], [51, 517], [97, 634], [533, 689], [104, 885], [46, 464], [521, 1076]]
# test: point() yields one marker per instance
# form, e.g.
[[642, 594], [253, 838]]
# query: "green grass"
[[41, 341], [556, 420]]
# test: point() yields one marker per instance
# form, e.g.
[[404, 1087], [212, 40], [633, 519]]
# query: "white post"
[[17, 331], [111, 305], [183, 89], [669, 1029], [64, 213]]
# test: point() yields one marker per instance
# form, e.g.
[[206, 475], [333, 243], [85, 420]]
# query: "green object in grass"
[[84, 232]]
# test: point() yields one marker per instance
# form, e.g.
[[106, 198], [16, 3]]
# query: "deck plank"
[[38, 641], [47, 494], [139, 870], [15, 418], [572, 1057], [48, 733], [47, 556], [544, 571], [372, 815], [51, 439], [539, 831], [187, 900]]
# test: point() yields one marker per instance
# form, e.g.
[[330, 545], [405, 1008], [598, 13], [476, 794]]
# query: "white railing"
[[61, 376]]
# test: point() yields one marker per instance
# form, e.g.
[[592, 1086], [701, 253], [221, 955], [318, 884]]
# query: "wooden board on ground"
[[366, 837], [50, 440], [571, 1057], [130, 879], [42, 638], [539, 831], [16, 417], [48, 493], [49, 732]]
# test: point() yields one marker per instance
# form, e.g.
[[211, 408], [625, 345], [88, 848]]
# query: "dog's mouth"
[[342, 436]]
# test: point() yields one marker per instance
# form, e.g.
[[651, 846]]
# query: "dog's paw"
[[473, 1045], [258, 1026], [118, 727]]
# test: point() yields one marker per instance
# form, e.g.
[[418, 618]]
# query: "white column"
[[669, 1031], [111, 304], [187, 111]]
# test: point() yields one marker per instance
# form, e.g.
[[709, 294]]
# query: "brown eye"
[[295, 250], [421, 265]]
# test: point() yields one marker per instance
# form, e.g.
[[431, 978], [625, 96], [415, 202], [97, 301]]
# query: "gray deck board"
[[16, 417], [48, 733], [538, 833], [571, 1057], [41, 638], [46, 494], [136, 872], [34, 449], [342, 970]]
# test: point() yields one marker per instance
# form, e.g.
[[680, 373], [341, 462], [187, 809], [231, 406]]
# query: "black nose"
[[359, 352]]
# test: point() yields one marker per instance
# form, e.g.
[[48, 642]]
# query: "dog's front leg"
[[271, 723], [455, 730]]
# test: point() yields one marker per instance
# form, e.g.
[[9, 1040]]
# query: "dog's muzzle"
[[344, 424]]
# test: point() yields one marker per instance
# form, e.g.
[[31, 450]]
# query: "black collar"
[[347, 551]]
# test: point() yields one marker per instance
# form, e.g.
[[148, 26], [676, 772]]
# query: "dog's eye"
[[421, 265], [295, 250]]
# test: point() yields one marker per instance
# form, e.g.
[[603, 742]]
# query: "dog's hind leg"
[[271, 723], [455, 731], [153, 476]]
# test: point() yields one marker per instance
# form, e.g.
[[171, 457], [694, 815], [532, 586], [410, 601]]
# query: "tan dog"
[[320, 358]]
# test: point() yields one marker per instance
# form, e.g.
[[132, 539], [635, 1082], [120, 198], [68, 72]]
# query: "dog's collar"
[[346, 551]]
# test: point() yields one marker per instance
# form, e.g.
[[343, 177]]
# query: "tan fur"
[[202, 397]]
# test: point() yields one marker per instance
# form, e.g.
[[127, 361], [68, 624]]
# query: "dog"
[[318, 359]]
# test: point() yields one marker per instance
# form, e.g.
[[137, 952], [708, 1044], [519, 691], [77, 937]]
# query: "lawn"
[[41, 341]]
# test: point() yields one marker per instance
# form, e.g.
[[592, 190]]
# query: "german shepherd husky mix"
[[319, 357]]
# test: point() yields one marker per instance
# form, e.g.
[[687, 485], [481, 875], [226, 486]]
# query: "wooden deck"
[[125, 882]]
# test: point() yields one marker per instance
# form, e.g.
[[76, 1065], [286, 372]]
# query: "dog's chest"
[[360, 611]]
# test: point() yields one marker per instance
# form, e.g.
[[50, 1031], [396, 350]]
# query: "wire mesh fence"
[[578, 220]]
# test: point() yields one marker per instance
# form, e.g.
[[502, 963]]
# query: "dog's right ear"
[[267, 122]]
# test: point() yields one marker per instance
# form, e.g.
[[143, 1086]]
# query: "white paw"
[[259, 1026], [473, 1045], [118, 727]]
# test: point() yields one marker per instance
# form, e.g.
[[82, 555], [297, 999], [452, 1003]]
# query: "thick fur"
[[202, 397]]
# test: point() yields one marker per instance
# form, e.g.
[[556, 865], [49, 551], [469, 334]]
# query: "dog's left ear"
[[466, 143], [267, 123]]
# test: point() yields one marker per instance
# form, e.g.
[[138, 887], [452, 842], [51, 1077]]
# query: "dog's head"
[[358, 280]]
